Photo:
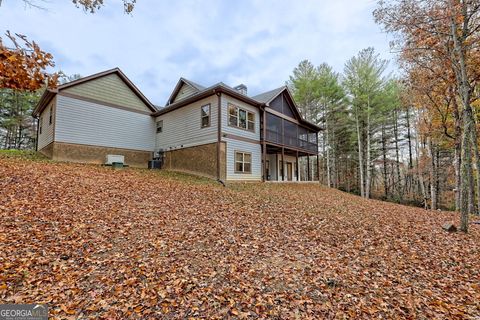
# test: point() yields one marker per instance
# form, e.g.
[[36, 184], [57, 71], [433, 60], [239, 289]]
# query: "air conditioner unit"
[[111, 158]]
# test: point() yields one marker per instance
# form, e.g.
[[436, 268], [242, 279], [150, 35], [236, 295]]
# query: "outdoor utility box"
[[154, 164], [117, 165], [111, 158]]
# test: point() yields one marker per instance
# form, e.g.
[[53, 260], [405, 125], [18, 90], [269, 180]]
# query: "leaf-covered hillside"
[[135, 244]]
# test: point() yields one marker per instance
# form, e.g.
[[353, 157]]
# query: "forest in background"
[[411, 138], [18, 129]]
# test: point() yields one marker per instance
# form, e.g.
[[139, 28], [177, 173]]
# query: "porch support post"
[[318, 168], [264, 146], [283, 164], [296, 167], [318, 160], [308, 168], [277, 173]]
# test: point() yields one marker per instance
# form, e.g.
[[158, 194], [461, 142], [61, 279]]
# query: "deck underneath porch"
[[285, 164]]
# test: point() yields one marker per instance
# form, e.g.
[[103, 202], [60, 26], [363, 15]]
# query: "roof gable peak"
[[195, 87]]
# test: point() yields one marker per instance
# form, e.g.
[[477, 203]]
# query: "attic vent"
[[241, 88]]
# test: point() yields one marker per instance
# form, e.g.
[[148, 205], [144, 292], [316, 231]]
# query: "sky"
[[254, 42]]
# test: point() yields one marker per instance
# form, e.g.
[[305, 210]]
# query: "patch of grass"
[[183, 177], [22, 154]]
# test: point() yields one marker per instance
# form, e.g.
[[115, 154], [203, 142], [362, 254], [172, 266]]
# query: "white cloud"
[[256, 42]]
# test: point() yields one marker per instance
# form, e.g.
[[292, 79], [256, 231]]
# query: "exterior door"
[[289, 171]]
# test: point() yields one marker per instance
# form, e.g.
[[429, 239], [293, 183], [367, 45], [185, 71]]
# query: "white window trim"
[[247, 112], [207, 116], [243, 153], [159, 125]]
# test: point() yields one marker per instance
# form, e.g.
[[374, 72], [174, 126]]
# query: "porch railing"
[[277, 137]]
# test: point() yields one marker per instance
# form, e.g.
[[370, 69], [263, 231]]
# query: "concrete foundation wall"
[[47, 151], [93, 154], [200, 159]]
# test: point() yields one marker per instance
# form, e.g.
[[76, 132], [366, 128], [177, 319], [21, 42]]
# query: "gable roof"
[[260, 100], [199, 87], [216, 88], [50, 93], [268, 96], [182, 81]]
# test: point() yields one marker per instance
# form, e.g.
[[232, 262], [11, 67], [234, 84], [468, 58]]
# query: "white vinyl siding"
[[255, 135], [184, 92], [89, 123], [241, 146], [46, 137], [110, 88], [182, 127]]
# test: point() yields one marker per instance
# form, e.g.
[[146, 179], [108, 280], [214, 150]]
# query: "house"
[[88, 118], [216, 131]]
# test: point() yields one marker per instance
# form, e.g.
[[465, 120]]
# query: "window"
[[50, 117], [241, 118], [232, 115], [243, 162], [40, 122], [251, 121], [206, 116], [159, 126]]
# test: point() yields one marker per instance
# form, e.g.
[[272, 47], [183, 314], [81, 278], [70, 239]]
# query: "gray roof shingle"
[[269, 95], [197, 86]]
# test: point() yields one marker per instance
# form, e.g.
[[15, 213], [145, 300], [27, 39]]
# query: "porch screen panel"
[[303, 137], [312, 141], [290, 133], [287, 109], [274, 128], [277, 104]]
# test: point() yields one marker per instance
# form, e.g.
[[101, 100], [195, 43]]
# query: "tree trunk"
[[360, 153], [467, 172], [421, 181], [461, 75], [458, 153], [329, 179], [384, 153], [409, 177], [324, 153], [477, 166], [368, 166], [433, 174], [397, 156]]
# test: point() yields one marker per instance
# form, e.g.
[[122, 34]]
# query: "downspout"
[[36, 139], [219, 135]]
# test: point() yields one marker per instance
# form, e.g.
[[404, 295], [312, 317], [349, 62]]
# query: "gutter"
[[208, 92]]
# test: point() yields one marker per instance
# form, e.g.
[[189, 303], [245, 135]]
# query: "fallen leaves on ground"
[[136, 244]]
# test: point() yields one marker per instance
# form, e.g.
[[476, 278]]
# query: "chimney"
[[241, 88]]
